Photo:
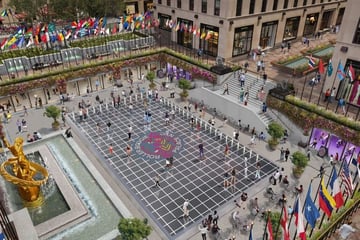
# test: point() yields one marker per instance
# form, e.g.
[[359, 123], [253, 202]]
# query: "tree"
[[32, 8], [300, 160], [276, 131], [184, 85], [54, 113], [151, 76], [133, 229]]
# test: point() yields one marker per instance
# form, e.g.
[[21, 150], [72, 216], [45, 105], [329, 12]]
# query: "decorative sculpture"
[[21, 172]]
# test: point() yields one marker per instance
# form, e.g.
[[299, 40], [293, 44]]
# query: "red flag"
[[284, 224], [351, 73], [269, 230], [43, 38], [3, 42], [321, 66], [114, 30]]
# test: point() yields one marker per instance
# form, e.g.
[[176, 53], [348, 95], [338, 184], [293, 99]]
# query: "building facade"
[[347, 55], [232, 28]]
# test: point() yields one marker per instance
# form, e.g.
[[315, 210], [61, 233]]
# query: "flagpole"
[[278, 226], [333, 84], [322, 87], [302, 92], [317, 193], [268, 216]]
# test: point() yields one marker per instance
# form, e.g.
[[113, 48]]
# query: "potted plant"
[[184, 85], [300, 161], [133, 229], [276, 131], [54, 113], [151, 76]]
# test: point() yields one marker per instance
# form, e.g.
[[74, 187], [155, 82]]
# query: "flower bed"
[[307, 115], [23, 84], [298, 71], [313, 51]]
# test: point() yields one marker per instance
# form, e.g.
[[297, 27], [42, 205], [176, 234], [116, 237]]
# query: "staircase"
[[253, 84]]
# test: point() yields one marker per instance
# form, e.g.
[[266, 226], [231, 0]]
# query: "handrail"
[[338, 221]]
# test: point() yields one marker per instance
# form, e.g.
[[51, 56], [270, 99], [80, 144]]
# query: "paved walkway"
[[37, 122]]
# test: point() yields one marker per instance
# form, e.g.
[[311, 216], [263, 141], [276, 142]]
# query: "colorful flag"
[[21, 42], [30, 42], [299, 220], [311, 62], [284, 224], [2, 44], [326, 201], [310, 211], [209, 35], [329, 68], [203, 34], [351, 73], [321, 66], [340, 72], [269, 229], [4, 13], [346, 177], [177, 26], [336, 191]]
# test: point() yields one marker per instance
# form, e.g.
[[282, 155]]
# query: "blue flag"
[[330, 68], [333, 178], [341, 72], [311, 212]]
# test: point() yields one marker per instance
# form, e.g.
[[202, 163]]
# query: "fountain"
[[24, 174]]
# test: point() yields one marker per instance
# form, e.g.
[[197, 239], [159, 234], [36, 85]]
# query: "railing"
[[336, 223]]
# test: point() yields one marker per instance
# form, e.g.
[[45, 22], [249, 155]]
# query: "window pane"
[[178, 3], [295, 3], [168, 2], [191, 5], [275, 5], [204, 6], [217, 8], [238, 7], [357, 34], [252, 7], [263, 6], [286, 3]]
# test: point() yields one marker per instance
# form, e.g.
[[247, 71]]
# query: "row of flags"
[[45, 33], [340, 70], [327, 202], [184, 27]]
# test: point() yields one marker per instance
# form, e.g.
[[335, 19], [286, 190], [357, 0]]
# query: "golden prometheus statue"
[[21, 172]]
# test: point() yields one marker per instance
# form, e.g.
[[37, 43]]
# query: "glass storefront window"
[[184, 37], [210, 45], [325, 20], [310, 24], [268, 34], [242, 40], [291, 28], [164, 21], [348, 89]]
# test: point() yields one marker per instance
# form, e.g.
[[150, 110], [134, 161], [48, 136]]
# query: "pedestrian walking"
[[287, 154], [157, 181], [276, 176], [18, 124], [40, 102], [242, 79], [111, 150], [281, 174], [201, 150], [98, 127], [129, 132], [257, 171], [233, 176], [48, 94], [282, 153], [226, 151], [264, 107], [128, 151], [25, 111], [308, 153], [203, 230], [226, 89], [195, 107], [186, 208], [252, 140], [215, 217], [108, 126]]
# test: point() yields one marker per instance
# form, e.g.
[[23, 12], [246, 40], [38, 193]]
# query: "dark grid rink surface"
[[189, 178]]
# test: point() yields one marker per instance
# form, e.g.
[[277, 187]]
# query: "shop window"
[[210, 43], [242, 40], [291, 28]]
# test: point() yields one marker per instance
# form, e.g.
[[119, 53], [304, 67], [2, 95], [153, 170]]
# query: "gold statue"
[[23, 171]]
